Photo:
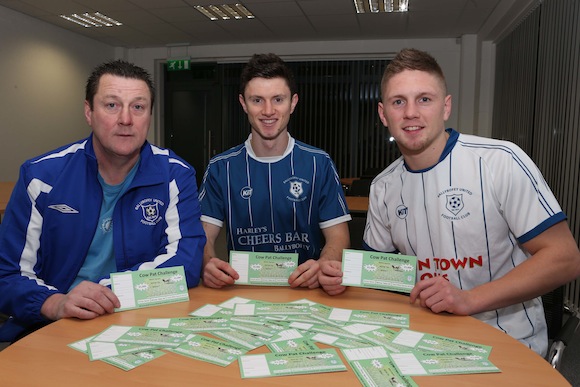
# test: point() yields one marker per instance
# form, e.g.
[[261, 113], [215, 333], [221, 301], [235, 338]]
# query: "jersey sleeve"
[[333, 208], [210, 197], [524, 197]]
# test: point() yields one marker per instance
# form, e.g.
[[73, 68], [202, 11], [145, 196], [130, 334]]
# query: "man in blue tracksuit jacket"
[[111, 202]]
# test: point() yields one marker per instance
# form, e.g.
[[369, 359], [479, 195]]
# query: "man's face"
[[415, 108], [269, 105], [120, 117]]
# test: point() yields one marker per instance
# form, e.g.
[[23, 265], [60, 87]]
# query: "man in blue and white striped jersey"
[[272, 193]]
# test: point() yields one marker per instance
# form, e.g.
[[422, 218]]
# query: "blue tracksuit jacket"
[[53, 213]]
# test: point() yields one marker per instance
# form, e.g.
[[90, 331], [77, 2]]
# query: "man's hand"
[[330, 277], [218, 273], [85, 301], [305, 275], [440, 295]]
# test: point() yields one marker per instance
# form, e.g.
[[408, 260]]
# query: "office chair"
[[371, 173], [356, 229], [564, 350], [554, 310], [360, 187]]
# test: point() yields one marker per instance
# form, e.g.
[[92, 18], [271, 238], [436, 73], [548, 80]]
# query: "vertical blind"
[[537, 102], [336, 111]]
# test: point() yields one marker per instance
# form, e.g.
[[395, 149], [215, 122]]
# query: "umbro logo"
[[65, 209]]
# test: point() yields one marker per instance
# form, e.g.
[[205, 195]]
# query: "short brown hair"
[[266, 66], [119, 68], [412, 59]]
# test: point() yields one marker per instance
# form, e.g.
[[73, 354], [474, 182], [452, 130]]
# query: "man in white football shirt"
[[272, 193], [489, 235]]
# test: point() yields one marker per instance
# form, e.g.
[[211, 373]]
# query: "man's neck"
[[115, 170], [427, 158], [269, 148]]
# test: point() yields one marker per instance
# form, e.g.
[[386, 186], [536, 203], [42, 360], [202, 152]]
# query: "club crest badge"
[[454, 203], [296, 189], [150, 210]]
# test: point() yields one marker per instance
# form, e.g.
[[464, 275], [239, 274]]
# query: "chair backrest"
[[570, 350], [356, 228], [360, 187], [370, 173], [554, 310]]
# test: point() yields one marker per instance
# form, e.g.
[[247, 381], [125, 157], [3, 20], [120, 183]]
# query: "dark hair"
[[412, 59], [266, 66], [119, 68]]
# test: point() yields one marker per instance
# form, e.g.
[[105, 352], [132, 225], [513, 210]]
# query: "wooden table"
[[6, 188], [43, 357], [348, 180], [358, 204]]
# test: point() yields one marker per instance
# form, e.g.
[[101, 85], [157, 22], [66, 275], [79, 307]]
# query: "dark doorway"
[[192, 115]]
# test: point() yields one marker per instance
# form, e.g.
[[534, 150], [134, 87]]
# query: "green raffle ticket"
[[143, 335], [290, 363], [442, 363], [142, 288], [378, 355], [192, 324], [211, 350], [426, 342], [266, 269], [371, 269], [293, 345], [374, 368]]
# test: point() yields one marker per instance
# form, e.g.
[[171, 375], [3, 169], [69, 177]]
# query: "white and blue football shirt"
[[465, 219], [274, 204]]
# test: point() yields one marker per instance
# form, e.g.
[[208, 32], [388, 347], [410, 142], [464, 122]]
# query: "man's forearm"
[[331, 253], [337, 239], [208, 253]]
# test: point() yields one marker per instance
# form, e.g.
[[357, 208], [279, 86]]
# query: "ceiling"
[[158, 23]]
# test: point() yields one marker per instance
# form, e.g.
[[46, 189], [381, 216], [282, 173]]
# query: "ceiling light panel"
[[235, 11], [89, 20], [231, 11], [381, 6]]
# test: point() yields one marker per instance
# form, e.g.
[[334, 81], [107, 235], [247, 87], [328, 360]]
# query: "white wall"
[[43, 71]]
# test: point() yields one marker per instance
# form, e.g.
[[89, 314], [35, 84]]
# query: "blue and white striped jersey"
[[274, 204], [465, 218]]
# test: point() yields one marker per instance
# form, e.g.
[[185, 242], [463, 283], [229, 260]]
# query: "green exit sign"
[[178, 65]]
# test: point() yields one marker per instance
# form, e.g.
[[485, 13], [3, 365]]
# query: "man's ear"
[[447, 108], [294, 103], [88, 112], [242, 102], [382, 117]]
